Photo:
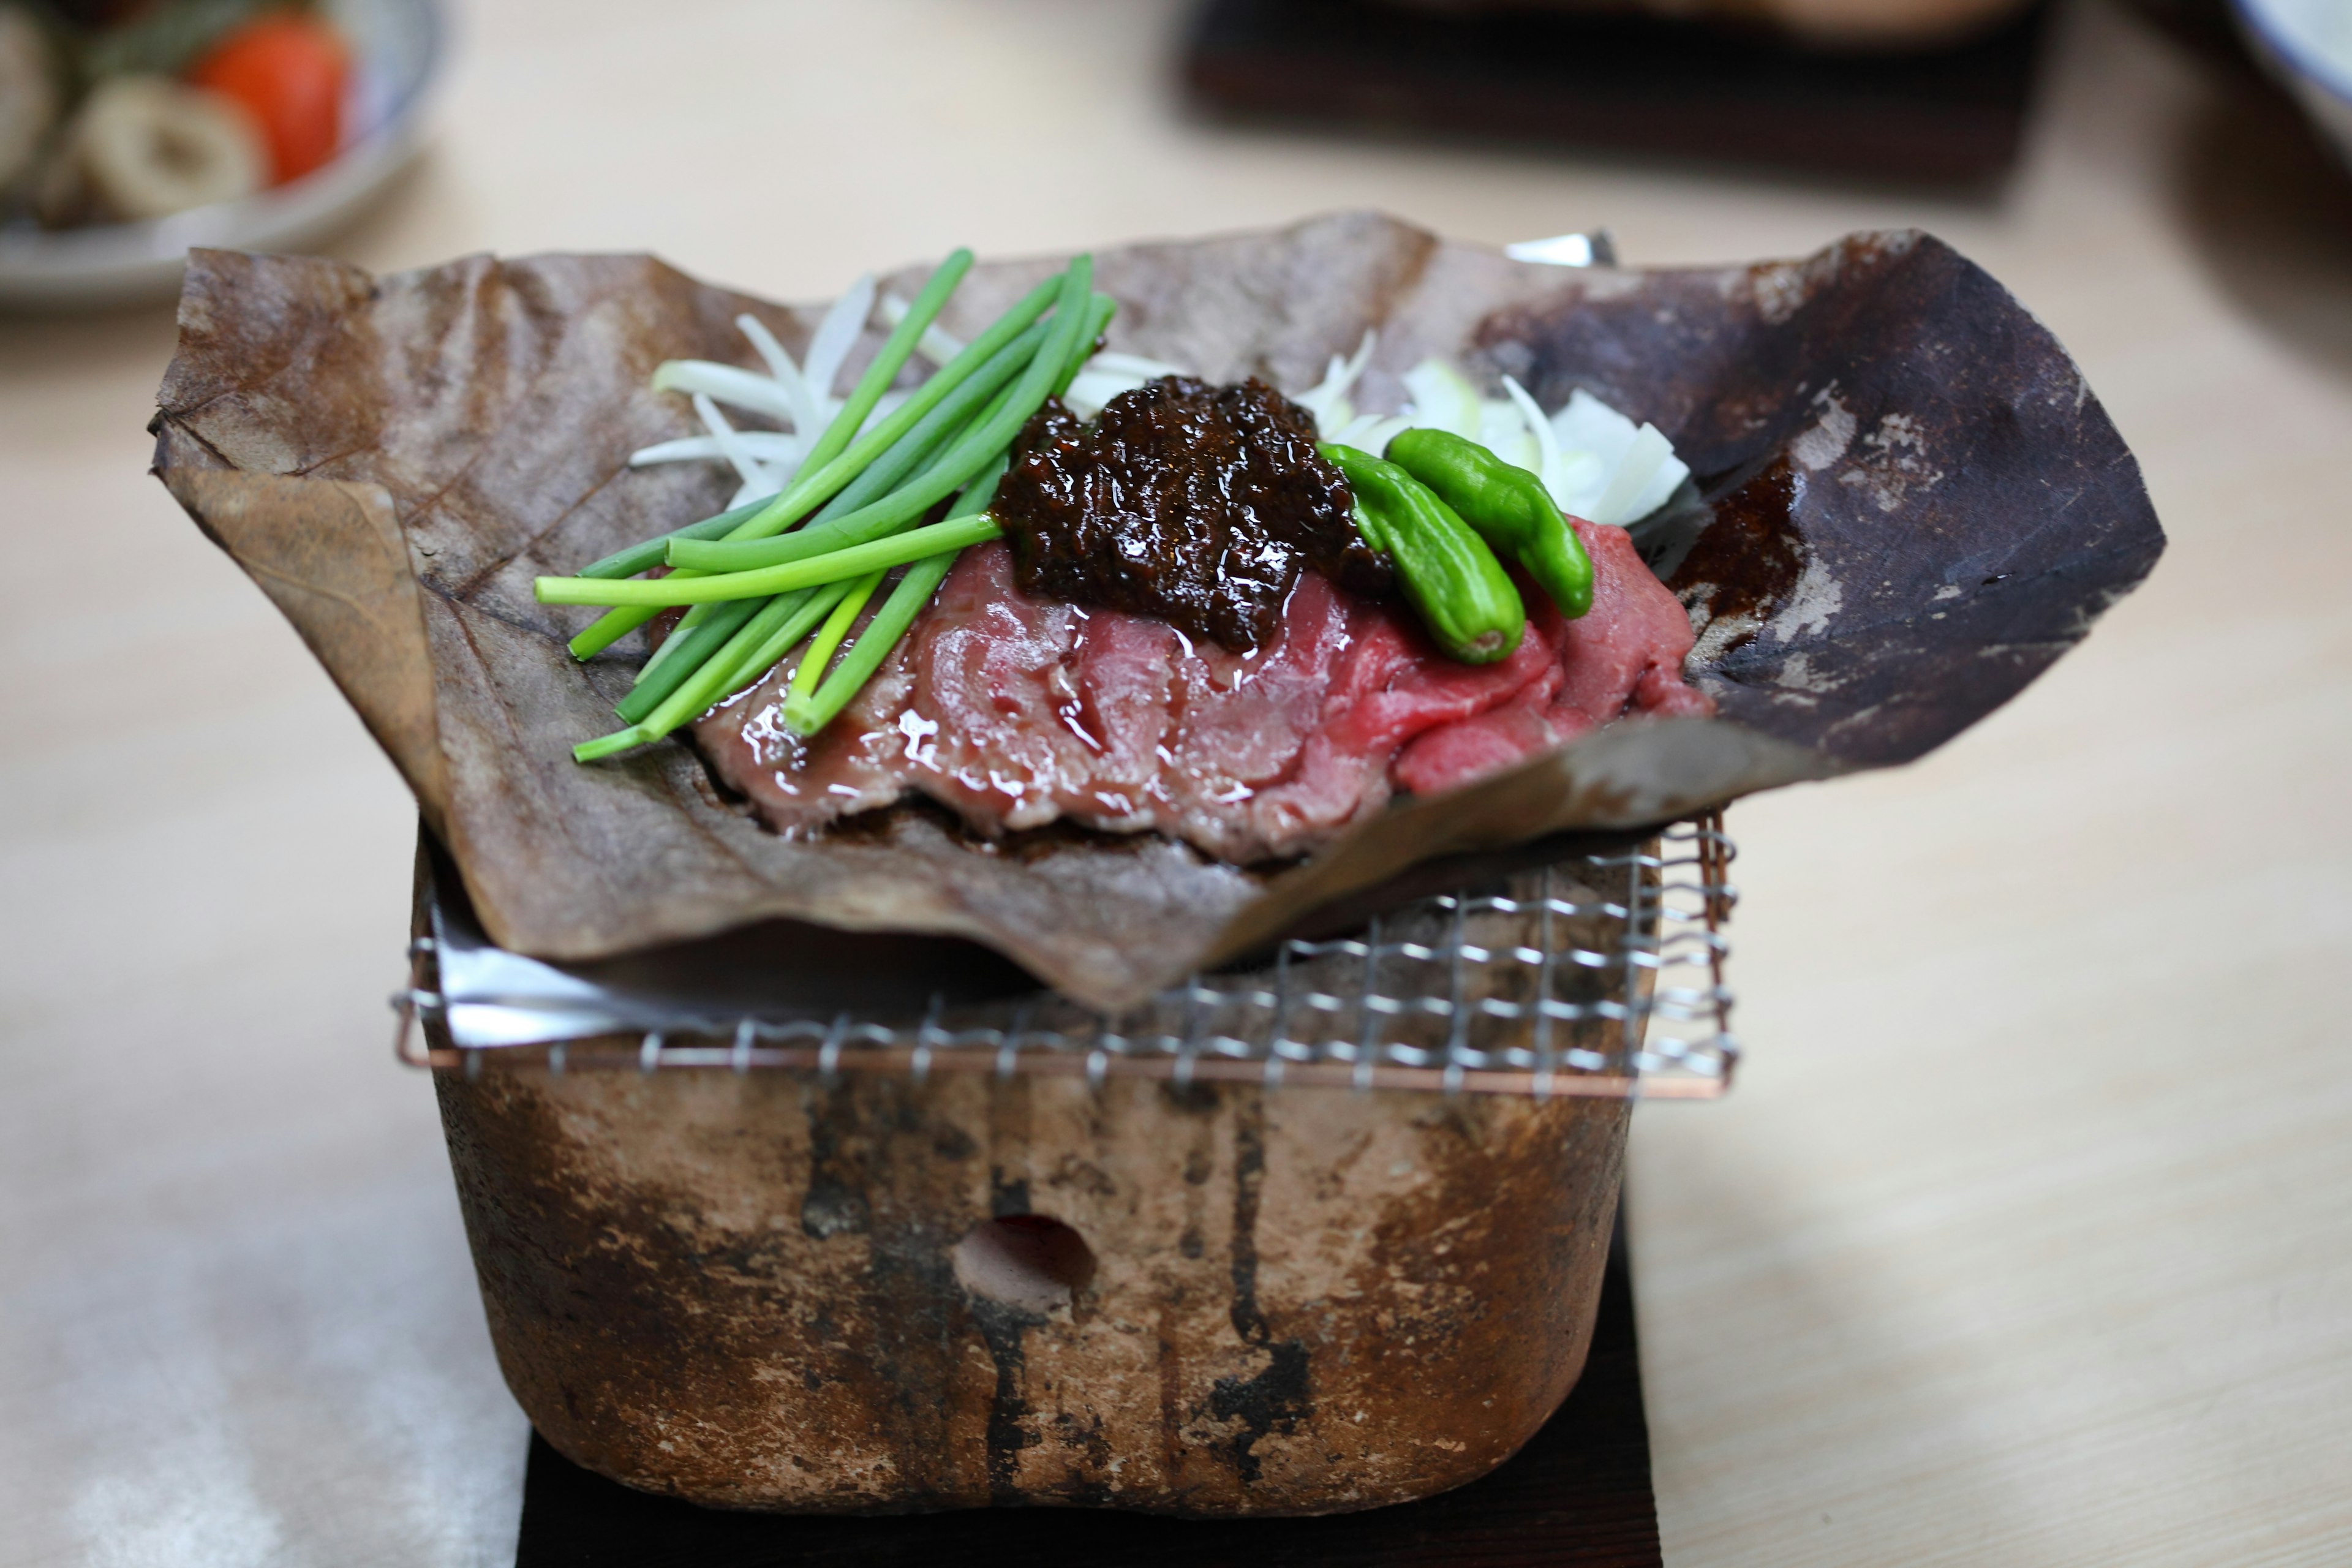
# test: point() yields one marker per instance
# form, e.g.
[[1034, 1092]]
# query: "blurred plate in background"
[[2308, 45], [396, 51]]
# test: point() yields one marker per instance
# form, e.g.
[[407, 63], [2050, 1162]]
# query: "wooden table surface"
[[2027, 1236]]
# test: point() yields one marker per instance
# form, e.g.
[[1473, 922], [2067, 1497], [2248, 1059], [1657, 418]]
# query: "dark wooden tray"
[[1578, 1494], [1624, 82]]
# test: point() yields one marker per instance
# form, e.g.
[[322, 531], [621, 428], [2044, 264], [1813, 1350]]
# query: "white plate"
[[396, 47], [2308, 45]]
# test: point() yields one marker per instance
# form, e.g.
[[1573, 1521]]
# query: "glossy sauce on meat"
[[1192, 504]]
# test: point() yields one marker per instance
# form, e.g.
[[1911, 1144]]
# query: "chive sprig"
[[756, 588]]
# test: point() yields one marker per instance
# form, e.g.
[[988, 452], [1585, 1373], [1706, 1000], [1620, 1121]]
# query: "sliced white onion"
[[728, 383], [935, 345], [1637, 468], [1503, 431], [1371, 432], [770, 447], [1113, 362], [1649, 453], [1547, 439], [1579, 483], [1670, 475], [1327, 398], [1091, 388], [836, 336], [1585, 423], [1443, 399], [730, 446], [788, 380]]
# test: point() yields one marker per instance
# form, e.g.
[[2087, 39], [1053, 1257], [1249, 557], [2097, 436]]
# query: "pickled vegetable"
[[289, 73]]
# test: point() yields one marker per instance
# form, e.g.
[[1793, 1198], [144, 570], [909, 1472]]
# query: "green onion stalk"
[[951, 435], [814, 570], [810, 708], [697, 637], [819, 653], [840, 453]]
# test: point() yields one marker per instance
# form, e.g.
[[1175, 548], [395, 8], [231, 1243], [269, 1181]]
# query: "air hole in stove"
[[1025, 1261]]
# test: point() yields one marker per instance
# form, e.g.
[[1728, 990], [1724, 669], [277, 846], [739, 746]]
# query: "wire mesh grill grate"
[[1598, 975]]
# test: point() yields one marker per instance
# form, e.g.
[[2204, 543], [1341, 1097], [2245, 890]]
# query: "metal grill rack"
[[1598, 975]]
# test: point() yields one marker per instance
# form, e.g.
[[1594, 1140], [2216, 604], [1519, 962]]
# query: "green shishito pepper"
[[1510, 508], [1462, 592]]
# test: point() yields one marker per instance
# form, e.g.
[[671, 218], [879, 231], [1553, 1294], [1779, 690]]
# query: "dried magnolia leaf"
[[1911, 505]]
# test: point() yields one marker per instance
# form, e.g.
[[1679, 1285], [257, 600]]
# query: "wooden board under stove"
[[1577, 1496], [1625, 83]]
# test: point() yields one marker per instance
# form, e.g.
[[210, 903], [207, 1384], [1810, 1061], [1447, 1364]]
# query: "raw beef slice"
[[1015, 712]]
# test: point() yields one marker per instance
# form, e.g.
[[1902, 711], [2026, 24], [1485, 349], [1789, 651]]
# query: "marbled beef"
[[1016, 712]]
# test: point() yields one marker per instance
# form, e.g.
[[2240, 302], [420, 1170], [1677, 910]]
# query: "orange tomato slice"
[[289, 73]]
